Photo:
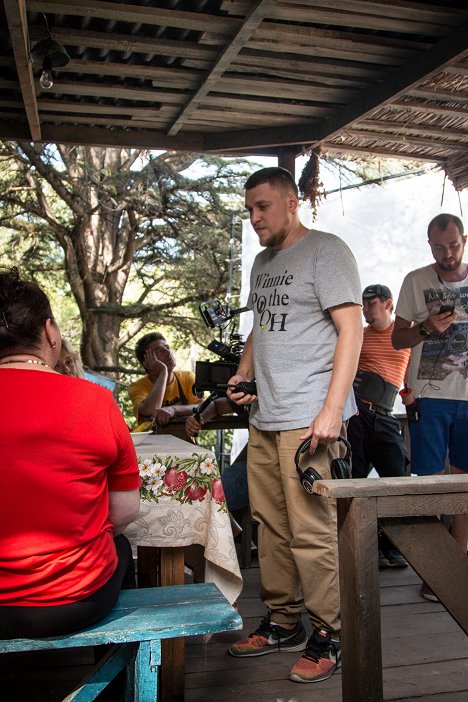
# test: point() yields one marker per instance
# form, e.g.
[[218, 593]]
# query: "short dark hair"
[[24, 308], [441, 221], [275, 176], [145, 341]]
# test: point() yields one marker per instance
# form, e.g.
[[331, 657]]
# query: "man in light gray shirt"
[[303, 352]]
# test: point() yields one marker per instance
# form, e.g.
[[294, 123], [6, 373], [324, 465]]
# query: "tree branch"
[[52, 177]]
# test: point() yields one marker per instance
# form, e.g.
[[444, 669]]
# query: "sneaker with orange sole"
[[320, 659], [270, 638]]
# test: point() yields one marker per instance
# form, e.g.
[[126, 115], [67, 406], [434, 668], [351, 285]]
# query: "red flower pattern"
[[185, 480]]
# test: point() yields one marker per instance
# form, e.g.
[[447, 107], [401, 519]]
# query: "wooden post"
[[360, 600], [173, 650], [287, 158], [158, 567]]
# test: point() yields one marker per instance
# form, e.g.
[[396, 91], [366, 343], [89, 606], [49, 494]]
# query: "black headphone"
[[340, 467]]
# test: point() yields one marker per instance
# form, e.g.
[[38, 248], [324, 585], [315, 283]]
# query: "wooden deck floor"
[[425, 654], [425, 658]]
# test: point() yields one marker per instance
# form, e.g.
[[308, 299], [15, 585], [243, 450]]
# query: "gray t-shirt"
[[293, 334]]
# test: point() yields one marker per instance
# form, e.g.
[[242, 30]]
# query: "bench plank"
[[139, 622], [146, 614]]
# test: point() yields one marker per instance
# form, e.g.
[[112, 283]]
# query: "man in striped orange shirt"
[[374, 433]]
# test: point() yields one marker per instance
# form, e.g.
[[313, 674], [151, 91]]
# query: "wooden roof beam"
[[15, 11], [128, 12], [425, 64], [457, 70], [428, 107], [395, 126], [115, 91], [14, 130], [343, 148], [133, 138], [94, 108], [439, 95], [406, 139], [370, 15], [127, 42], [258, 13]]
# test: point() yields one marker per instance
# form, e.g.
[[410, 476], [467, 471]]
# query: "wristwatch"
[[422, 330]]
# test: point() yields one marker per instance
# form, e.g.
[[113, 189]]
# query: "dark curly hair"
[[143, 343], [24, 308]]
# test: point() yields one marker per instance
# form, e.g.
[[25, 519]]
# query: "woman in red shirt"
[[69, 482]]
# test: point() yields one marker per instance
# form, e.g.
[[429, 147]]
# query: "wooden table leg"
[[360, 601], [149, 565], [159, 567], [173, 650]]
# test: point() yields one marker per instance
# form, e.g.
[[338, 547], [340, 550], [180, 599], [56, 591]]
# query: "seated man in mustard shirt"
[[163, 393]]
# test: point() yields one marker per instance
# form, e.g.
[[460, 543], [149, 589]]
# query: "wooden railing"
[[407, 510]]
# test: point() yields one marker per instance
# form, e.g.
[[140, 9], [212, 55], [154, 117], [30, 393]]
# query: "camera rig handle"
[[206, 402], [247, 387]]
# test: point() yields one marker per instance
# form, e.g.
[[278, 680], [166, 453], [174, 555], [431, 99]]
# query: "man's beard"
[[275, 240], [451, 266]]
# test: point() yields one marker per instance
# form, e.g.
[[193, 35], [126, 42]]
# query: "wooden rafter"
[[237, 43], [450, 48], [238, 77], [17, 23], [140, 14]]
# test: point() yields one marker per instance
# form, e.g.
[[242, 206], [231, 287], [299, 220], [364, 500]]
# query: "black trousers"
[[377, 442], [37, 622]]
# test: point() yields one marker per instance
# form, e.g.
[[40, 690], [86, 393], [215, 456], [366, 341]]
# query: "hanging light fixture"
[[50, 54]]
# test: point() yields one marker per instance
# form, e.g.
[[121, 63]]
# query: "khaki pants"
[[298, 549]]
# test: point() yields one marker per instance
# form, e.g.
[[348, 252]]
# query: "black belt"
[[373, 407]]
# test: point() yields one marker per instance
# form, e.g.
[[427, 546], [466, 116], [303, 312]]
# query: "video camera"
[[209, 375], [213, 376]]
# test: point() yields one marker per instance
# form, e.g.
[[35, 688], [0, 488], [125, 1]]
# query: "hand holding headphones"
[[340, 468]]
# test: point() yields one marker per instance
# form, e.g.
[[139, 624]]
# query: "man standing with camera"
[[374, 433], [303, 352], [432, 319]]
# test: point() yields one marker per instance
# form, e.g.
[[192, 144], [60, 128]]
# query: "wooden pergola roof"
[[368, 77]]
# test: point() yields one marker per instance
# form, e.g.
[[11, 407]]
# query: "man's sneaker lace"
[[320, 659], [269, 638]]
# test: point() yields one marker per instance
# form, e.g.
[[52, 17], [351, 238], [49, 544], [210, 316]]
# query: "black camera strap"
[[183, 399]]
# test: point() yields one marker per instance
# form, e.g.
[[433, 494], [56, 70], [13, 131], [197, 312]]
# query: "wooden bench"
[[140, 620], [406, 509]]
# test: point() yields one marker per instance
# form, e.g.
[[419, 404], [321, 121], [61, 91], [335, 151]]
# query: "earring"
[[53, 344]]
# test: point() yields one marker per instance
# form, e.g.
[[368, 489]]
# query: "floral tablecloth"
[[182, 503]]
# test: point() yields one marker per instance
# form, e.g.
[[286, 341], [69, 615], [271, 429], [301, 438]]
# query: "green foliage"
[[123, 240]]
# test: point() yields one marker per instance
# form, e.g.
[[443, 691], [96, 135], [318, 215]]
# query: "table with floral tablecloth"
[[183, 503]]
